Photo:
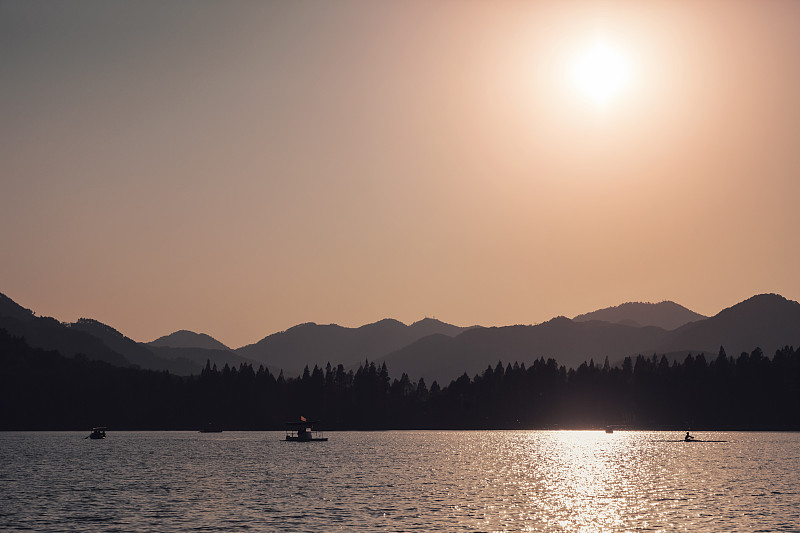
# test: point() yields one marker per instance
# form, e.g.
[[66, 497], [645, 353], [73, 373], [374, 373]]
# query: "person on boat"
[[688, 437]]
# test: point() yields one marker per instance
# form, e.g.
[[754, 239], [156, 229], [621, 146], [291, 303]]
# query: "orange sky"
[[236, 168]]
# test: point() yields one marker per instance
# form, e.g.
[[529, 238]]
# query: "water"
[[400, 481]]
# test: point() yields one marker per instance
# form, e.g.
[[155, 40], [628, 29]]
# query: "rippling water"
[[400, 481]]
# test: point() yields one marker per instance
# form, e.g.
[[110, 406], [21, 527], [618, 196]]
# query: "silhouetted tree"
[[43, 390]]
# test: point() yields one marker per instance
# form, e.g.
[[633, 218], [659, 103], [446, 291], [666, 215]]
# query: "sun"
[[601, 73]]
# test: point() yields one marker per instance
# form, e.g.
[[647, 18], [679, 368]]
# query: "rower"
[[688, 437]]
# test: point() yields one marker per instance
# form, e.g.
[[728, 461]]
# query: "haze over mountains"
[[98, 341], [433, 349], [310, 344], [666, 315], [188, 339]]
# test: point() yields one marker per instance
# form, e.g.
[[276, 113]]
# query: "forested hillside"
[[43, 390]]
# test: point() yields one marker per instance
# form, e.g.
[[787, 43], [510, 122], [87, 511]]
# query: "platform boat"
[[303, 431], [97, 433]]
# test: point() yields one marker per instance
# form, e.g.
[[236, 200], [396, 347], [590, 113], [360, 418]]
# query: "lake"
[[400, 481]]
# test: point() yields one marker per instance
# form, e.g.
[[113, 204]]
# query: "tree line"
[[44, 390]]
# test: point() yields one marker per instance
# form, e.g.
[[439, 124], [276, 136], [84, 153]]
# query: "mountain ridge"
[[767, 317], [98, 341], [766, 321], [188, 339], [430, 348], [570, 343], [667, 314], [312, 344]]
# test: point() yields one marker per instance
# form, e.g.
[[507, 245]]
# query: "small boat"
[[97, 433], [689, 438], [303, 431], [686, 441], [692, 438]]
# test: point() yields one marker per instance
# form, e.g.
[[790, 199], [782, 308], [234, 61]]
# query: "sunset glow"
[[601, 73], [237, 168]]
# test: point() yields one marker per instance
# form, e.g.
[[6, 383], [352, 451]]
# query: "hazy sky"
[[239, 167]]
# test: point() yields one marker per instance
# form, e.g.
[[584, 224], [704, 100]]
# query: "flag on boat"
[[302, 419]]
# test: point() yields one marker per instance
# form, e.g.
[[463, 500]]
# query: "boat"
[[692, 438], [303, 431], [97, 433], [687, 439]]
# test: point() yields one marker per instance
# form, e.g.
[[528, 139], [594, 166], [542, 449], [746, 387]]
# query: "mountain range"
[[766, 321], [433, 349], [310, 344], [101, 342]]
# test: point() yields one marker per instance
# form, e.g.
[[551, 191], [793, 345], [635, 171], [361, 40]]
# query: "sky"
[[236, 168]]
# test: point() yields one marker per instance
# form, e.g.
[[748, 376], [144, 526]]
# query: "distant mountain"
[[432, 349], [98, 341], [182, 361], [570, 343], [192, 360], [11, 309], [666, 315], [50, 334], [313, 344], [136, 353], [189, 339], [766, 321], [431, 326]]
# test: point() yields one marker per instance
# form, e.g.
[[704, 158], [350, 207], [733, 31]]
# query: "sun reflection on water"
[[564, 481], [551, 481], [590, 481], [584, 481]]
